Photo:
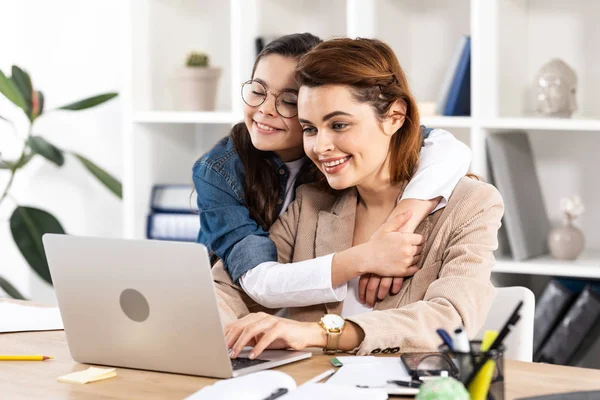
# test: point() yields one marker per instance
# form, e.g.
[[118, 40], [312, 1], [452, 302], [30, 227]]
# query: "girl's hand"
[[392, 253], [262, 331]]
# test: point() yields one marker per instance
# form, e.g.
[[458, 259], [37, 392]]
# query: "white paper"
[[347, 360], [331, 392], [255, 386], [374, 374], [17, 317]]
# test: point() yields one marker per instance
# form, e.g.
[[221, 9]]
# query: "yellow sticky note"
[[91, 374]]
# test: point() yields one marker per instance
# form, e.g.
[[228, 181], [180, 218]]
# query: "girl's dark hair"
[[261, 182], [371, 70]]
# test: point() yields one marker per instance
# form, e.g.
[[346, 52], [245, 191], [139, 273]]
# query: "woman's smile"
[[335, 165]]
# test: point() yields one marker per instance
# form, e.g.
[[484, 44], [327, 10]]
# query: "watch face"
[[332, 321]]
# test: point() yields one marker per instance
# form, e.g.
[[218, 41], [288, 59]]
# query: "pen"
[[321, 376], [463, 347], [411, 384], [479, 388], [512, 320], [446, 338], [278, 393], [25, 358]]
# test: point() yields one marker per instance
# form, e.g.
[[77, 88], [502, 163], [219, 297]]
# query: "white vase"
[[198, 88], [566, 242]]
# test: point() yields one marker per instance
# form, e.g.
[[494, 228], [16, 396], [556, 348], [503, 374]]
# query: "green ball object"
[[443, 389]]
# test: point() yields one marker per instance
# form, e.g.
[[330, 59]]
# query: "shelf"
[[186, 117], [438, 121], [586, 266], [546, 124]]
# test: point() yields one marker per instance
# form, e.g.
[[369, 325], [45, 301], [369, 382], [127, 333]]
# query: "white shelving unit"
[[511, 39]]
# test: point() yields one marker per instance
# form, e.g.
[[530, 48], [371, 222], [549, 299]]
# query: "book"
[[450, 72], [266, 384], [551, 306], [513, 172], [173, 226], [572, 329], [458, 102]]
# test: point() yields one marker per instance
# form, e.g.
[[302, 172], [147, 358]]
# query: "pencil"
[[25, 358]]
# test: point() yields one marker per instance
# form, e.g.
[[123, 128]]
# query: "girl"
[[361, 130], [250, 177]]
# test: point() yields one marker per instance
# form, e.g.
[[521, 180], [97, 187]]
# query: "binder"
[[173, 213], [514, 174], [550, 307], [449, 77], [459, 96], [572, 329], [173, 198], [173, 226]]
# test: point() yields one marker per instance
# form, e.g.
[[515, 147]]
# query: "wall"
[[72, 50]]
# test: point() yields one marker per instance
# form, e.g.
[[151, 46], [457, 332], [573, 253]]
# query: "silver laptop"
[[145, 304]]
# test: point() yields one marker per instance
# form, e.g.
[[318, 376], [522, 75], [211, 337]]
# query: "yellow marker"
[[478, 389], [25, 358]]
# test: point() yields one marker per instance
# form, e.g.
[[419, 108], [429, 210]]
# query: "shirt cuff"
[[299, 284]]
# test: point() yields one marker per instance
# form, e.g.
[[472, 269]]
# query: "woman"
[[355, 106], [250, 178]]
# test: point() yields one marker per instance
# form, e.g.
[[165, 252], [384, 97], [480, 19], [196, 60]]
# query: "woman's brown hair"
[[261, 182], [371, 70]]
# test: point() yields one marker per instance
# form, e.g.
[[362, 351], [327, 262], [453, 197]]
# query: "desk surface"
[[37, 379]]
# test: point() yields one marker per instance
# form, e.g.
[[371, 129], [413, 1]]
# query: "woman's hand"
[[372, 288], [262, 331]]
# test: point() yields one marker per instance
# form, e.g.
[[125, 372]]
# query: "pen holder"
[[465, 362]]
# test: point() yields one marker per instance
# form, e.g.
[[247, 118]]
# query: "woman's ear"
[[396, 117]]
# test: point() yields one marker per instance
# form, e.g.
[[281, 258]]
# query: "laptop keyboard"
[[243, 362]]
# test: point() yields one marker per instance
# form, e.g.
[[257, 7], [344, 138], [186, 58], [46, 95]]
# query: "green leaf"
[[8, 89], [5, 164], [22, 81], [28, 225], [41, 100], [46, 149], [10, 289], [107, 180], [89, 102]]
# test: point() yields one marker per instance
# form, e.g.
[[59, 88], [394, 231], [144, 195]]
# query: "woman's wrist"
[[352, 336], [318, 336]]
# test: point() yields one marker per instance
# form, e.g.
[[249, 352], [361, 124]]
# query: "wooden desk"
[[37, 379]]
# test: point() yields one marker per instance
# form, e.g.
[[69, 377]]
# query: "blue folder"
[[459, 97]]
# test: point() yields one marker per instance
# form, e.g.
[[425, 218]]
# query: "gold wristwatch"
[[333, 325]]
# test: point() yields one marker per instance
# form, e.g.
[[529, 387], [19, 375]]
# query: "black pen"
[[410, 384], [278, 393], [512, 320]]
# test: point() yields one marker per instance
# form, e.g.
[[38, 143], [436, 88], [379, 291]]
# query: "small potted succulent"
[[198, 83]]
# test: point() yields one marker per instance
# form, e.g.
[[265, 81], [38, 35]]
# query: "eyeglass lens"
[[286, 103]]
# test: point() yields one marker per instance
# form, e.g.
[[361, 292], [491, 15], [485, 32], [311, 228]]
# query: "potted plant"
[[28, 224], [198, 83]]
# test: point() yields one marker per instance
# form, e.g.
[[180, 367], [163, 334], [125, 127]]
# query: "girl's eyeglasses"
[[255, 94]]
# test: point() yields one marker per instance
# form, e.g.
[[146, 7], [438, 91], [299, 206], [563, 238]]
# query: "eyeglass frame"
[[267, 92]]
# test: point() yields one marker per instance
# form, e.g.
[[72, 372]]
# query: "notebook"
[[21, 317]]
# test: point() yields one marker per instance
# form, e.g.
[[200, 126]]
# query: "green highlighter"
[[335, 362]]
